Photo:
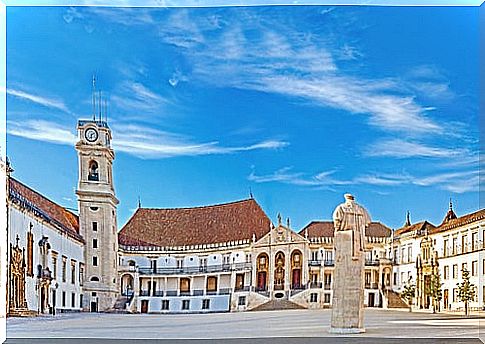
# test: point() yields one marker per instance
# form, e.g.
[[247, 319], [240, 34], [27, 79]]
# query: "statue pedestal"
[[348, 291]]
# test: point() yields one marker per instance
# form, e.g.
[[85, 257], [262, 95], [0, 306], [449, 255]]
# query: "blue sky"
[[300, 104]]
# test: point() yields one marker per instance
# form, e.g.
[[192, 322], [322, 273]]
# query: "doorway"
[[144, 306], [371, 301], [94, 306]]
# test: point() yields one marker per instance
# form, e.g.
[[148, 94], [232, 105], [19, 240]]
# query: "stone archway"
[[127, 284], [262, 264], [296, 269], [279, 271]]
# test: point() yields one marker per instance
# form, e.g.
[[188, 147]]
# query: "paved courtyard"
[[290, 323]]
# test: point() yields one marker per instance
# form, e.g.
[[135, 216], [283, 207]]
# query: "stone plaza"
[[379, 324]]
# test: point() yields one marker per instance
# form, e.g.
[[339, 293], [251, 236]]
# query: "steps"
[[394, 300], [274, 305], [120, 305], [21, 312]]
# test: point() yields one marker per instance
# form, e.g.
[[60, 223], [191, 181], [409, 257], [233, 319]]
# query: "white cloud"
[[398, 148], [136, 96], [136, 140], [40, 130], [41, 100], [457, 182]]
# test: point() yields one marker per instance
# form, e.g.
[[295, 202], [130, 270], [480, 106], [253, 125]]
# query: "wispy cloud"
[[399, 148], [41, 100], [136, 96], [40, 130], [457, 182], [136, 140]]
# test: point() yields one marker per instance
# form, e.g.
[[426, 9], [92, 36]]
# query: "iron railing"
[[194, 269]]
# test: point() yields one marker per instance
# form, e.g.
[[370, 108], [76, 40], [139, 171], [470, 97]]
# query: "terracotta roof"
[[194, 226], [318, 229], [40, 205], [460, 221], [421, 226]]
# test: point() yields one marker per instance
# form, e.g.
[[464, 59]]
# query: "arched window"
[[131, 263], [94, 279], [93, 171]]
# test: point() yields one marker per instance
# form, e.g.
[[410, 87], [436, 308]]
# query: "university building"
[[217, 258]]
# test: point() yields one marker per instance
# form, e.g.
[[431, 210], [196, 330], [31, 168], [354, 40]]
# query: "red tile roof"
[[41, 206], [460, 221], [195, 226], [318, 229], [422, 226]]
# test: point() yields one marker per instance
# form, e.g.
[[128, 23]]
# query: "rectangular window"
[[313, 297], [463, 267], [327, 278], [403, 258], [445, 248], [81, 274], [63, 299], [474, 242], [206, 304], [474, 268], [80, 300], [165, 305], [410, 253], [73, 271], [185, 304], [211, 283], [455, 294], [483, 294], [64, 268], [483, 266], [402, 277], [455, 245], [95, 243], [239, 282], [95, 261], [73, 300], [54, 265], [394, 278], [464, 243], [446, 272], [241, 301], [95, 226], [455, 271], [326, 298]]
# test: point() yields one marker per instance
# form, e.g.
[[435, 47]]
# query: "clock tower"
[[97, 215]]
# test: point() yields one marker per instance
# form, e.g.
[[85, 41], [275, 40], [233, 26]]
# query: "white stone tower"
[[97, 215]]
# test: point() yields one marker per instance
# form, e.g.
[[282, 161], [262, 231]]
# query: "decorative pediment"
[[278, 235]]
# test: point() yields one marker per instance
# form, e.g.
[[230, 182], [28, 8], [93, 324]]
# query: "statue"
[[353, 217], [350, 222]]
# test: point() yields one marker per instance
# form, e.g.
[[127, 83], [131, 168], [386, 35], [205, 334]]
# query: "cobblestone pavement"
[[289, 323]]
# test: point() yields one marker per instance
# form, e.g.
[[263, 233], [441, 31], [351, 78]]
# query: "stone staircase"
[[120, 305], [274, 305], [394, 300], [22, 312]]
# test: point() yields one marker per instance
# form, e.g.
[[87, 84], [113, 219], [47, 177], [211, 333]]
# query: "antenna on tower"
[[99, 105], [94, 96]]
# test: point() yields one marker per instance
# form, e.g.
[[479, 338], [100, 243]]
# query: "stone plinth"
[[348, 291]]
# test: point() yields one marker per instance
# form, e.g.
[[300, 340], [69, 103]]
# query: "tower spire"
[[408, 219]]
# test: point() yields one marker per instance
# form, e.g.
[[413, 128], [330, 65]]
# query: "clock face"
[[91, 134]]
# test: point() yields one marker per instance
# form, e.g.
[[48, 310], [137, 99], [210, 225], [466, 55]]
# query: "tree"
[[408, 293], [435, 290], [466, 290]]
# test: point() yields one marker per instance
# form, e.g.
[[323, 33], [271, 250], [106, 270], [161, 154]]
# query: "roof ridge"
[[203, 206]]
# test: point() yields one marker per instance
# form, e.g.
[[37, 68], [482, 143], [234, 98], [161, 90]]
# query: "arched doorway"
[[126, 284], [279, 271], [262, 272], [296, 263]]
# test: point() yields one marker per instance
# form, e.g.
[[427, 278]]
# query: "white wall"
[[19, 224]]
